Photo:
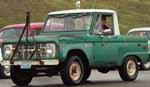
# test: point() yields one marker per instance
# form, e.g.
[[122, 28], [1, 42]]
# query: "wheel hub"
[[7, 71], [131, 67], [75, 71]]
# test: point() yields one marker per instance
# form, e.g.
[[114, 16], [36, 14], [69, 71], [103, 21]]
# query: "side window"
[[104, 24], [8, 33], [11, 33]]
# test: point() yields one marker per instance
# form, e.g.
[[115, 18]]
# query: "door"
[[105, 44], [106, 49]]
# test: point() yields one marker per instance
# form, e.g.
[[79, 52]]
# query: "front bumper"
[[53, 62]]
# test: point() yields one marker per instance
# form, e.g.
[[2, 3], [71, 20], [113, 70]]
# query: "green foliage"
[[132, 13]]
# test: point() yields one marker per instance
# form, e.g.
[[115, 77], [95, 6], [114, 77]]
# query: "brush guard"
[[27, 45]]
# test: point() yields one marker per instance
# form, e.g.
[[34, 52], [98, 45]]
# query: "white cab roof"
[[82, 11], [139, 29]]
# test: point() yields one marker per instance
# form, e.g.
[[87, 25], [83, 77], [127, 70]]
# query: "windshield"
[[68, 22]]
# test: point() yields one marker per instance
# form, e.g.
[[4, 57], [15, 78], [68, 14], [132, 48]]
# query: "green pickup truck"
[[86, 39]]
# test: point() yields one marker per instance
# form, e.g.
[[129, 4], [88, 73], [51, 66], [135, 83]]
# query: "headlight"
[[8, 51], [50, 50]]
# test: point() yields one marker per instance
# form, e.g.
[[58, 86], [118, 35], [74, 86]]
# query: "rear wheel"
[[129, 69], [73, 71], [21, 77]]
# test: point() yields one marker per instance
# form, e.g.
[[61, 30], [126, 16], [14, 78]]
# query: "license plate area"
[[25, 65]]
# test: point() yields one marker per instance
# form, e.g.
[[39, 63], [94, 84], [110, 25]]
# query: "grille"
[[26, 50]]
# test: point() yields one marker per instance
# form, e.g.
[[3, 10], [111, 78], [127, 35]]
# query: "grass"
[[132, 13]]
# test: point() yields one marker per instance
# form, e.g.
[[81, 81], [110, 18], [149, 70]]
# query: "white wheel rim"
[[131, 67], [75, 71], [7, 71]]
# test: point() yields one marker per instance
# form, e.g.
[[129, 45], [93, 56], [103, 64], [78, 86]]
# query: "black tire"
[[125, 73], [4, 72], [21, 77], [69, 69], [87, 73], [103, 70]]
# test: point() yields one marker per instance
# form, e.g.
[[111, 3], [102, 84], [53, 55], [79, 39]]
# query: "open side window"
[[104, 24]]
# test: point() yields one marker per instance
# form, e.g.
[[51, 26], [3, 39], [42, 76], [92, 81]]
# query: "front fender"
[[86, 48]]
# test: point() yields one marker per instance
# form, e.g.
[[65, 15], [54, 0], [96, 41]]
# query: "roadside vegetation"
[[132, 13]]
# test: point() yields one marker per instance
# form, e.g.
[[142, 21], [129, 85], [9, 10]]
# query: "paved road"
[[96, 79]]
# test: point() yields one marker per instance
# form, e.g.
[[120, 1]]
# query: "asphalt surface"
[[111, 79]]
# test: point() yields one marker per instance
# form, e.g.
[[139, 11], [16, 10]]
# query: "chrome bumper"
[[31, 62]]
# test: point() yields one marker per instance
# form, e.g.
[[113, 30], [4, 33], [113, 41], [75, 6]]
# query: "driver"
[[104, 21], [105, 28]]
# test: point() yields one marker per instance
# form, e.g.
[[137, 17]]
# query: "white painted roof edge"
[[82, 11]]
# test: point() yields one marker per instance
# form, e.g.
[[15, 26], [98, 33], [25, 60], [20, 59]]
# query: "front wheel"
[[73, 71], [4, 72], [21, 77], [87, 73], [129, 69]]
